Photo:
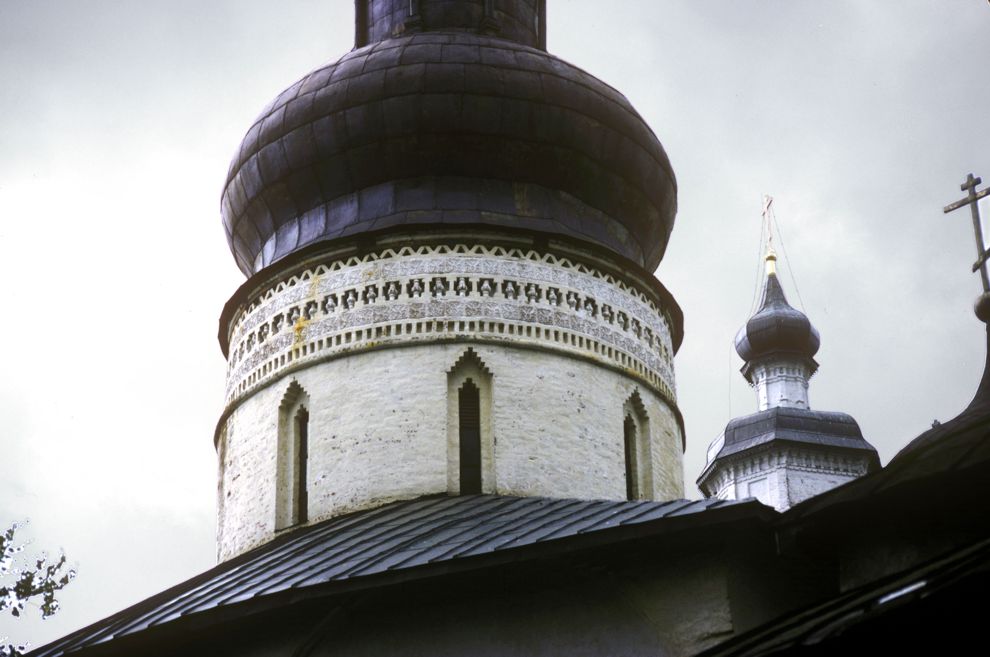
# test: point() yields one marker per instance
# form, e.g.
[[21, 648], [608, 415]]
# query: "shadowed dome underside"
[[448, 128]]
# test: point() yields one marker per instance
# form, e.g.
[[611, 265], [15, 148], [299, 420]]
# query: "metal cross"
[[971, 199], [768, 217]]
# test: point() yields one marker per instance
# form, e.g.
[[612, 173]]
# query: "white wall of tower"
[[562, 353], [781, 382], [782, 476], [379, 432]]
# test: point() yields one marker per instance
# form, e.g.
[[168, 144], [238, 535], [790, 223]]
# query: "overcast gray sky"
[[118, 120]]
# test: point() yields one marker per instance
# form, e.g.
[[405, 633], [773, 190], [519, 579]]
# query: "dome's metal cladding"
[[776, 328], [448, 127]]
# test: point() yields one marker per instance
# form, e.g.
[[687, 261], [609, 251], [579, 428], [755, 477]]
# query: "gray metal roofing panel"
[[650, 512], [802, 437], [694, 507], [397, 536], [793, 425]]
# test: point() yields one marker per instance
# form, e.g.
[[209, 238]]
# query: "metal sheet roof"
[[798, 425], [398, 536], [831, 430], [948, 451]]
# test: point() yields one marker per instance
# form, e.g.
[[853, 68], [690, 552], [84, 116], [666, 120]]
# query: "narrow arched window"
[[300, 426], [637, 449], [470, 439], [469, 420], [632, 472], [292, 459]]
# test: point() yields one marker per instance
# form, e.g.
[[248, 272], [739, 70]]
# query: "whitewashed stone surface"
[[379, 432], [374, 343], [784, 476]]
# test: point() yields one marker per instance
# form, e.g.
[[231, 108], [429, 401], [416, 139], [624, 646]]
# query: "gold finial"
[[771, 260]]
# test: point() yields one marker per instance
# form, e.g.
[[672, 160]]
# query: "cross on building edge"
[[972, 198]]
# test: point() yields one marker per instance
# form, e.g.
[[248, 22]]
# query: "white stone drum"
[[346, 375]]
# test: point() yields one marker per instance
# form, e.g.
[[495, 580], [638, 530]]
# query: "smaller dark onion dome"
[[432, 122], [776, 327]]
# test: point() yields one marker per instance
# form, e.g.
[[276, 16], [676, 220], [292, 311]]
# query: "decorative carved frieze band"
[[748, 466], [413, 296]]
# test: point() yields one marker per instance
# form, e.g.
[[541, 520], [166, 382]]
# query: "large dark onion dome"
[[449, 112], [776, 328]]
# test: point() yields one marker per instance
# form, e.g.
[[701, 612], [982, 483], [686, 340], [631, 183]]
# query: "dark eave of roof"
[[978, 408], [416, 539], [951, 456], [866, 614]]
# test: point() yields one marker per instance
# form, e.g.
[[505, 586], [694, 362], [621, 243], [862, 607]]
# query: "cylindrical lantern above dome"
[[523, 21]]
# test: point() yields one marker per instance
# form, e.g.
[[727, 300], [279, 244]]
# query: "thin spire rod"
[[770, 255], [768, 219], [787, 259], [760, 253]]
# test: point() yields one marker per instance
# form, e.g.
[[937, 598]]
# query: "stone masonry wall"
[[783, 477], [378, 432]]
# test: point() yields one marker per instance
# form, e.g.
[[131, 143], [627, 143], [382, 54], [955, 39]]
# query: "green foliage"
[[35, 584]]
